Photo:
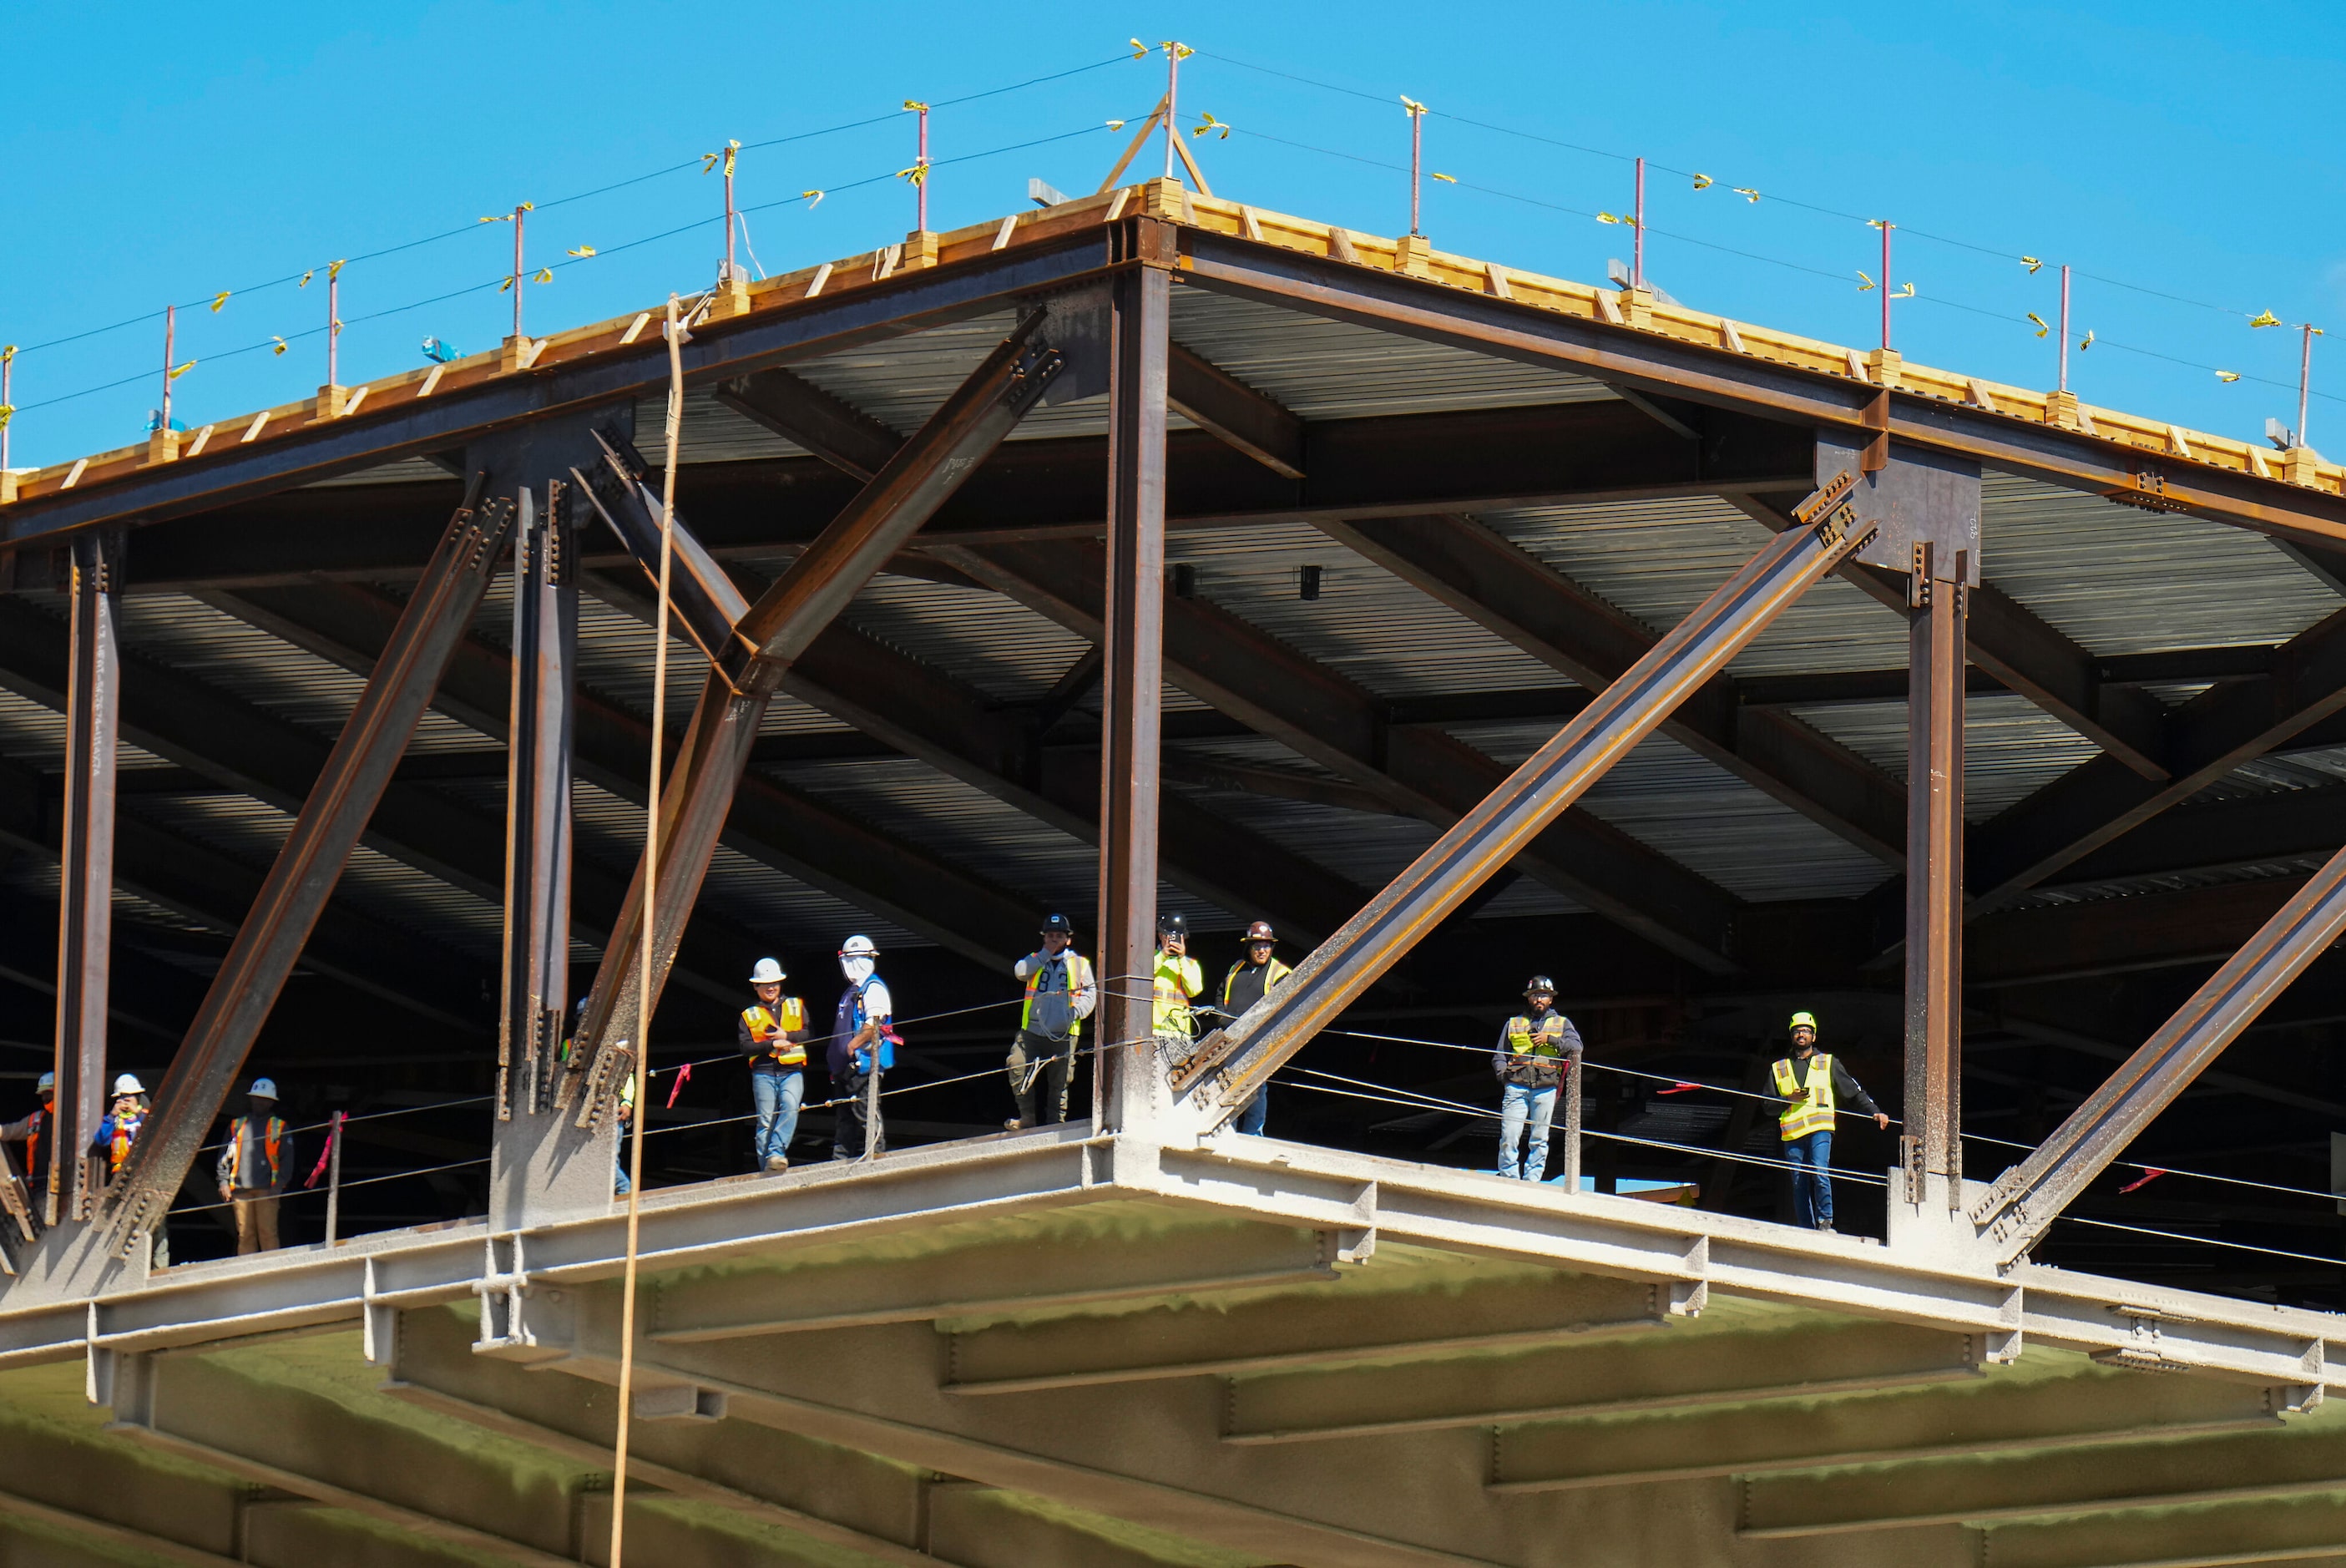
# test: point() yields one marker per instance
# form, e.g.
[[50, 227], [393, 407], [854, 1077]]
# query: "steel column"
[[86, 863], [294, 894], [757, 649], [1932, 1143], [1241, 1058], [537, 802], [2024, 1200], [1133, 675]]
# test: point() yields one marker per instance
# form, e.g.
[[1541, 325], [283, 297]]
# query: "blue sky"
[[2188, 150]]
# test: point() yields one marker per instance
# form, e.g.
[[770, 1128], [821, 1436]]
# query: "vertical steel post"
[[7, 400], [86, 860], [921, 180], [1933, 1143], [1172, 100], [1572, 1121], [2304, 383], [519, 213], [170, 334], [2065, 325], [537, 811], [728, 214], [1637, 238], [333, 327], [1416, 163], [1132, 680], [334, 1179], [1886, 226]]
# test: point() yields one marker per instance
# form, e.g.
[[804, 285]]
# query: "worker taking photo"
[[1810, 1087]]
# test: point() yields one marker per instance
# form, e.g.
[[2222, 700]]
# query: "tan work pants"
[[256, 1224]]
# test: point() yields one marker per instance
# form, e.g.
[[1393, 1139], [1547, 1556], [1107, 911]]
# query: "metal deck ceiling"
[[2119, 581]]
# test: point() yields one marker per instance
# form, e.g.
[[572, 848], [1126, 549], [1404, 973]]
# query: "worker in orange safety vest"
[[253, 1165]]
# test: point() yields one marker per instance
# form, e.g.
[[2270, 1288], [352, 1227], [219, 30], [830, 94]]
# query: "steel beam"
[[536, 1002], [2024, 1200], [295, 892], [803, 414], [912, 301], [785, 829], [1233, 413], [1330, 719], [765, 639], [1474, 570], [924, 714], [1394, 464], [86, 863], [1658, 362], [1242, 1057], [2099, 801], [1132, 642], [1933, 1144], [2017, 648]]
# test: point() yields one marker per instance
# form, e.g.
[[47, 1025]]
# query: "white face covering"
[[857, 969]]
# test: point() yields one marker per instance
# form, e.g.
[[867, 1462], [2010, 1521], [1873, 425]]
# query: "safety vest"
[[126, 1133], [1546, 1038], [765, 1026], [33, 1141], [1805, 1114], [272, 1136], [1279, 972], [1079, 977], [1177, 980]]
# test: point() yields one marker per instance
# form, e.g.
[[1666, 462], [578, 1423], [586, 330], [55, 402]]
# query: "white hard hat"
[[129, 1083], [769, 972], [264, 1088], [859, 947]]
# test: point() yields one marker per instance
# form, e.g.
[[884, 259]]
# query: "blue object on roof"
[[440, 352]]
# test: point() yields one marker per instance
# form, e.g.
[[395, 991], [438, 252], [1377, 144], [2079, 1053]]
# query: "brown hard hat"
[[1261, 931]]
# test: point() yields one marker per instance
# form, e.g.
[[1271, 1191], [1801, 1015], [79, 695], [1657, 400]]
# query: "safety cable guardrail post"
[[1572, 1112]]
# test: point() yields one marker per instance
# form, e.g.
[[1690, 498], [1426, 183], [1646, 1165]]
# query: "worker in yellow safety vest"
[[1060, 995], [773, 1036], [1810, 1087], [253, 1164], [1243, 988], [1175, 984], [1536, 1048]]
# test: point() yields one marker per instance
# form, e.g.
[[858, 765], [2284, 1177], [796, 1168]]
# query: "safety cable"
[[2000, 254], [2150, 1170]]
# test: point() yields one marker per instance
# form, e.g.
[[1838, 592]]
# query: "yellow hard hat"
[[1809, 1019]]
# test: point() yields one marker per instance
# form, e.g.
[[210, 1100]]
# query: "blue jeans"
[[1811, 1157], [1518, 1102], [1251, 1117], [778, 1096], [620, 1186]]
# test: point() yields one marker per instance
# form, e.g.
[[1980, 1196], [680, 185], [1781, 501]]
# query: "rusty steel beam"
[[764, 638], [1132, 676], [1233, 413], [85, 859], [1424, 773], [805, 415], [1474, 570], [299, 884], [2025, 1201], [1391, 464], [1660, 363], [923, 713], [2100, 800], [2025, 653], [1232, 1063], [536, 999], [1933, 1144]]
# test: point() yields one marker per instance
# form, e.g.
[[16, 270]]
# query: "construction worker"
[[1176, 983], [1060, 995], [622, 1184], [1536, 1047], [117, 1130], [773, 1036], [253, 1168], [1809, 1085], [28, 1130], [1243, 988], [862, 1048]]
